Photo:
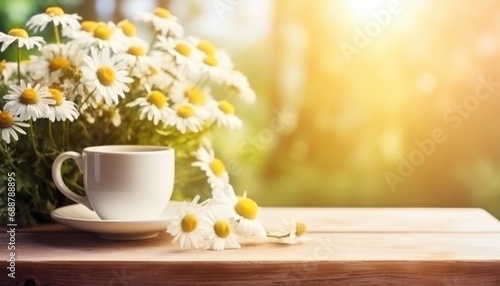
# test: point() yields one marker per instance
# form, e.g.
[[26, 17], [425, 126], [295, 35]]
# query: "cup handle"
[[58, 180]]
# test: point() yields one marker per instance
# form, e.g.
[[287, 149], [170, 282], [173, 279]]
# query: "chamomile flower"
[[223, 112], [244, 211], [55, 58], [187, 227], [186, 91], [62, 109], [154, 106], [218, 66], [28, 102], [292, 231], [136, 55], [103, 35], [214, 168], [239, 83], [187, 117], [206, 46], [184, 53], [55, 15], [86, 29], [10, 126], [220, 235], [104, 76], [22, 38], [129, 31], [163, 22]]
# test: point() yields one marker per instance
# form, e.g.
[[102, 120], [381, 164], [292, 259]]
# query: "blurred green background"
[[360, 103]]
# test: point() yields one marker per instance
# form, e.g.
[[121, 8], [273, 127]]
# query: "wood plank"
[[369, 220], [386, 219], [365, 246], [77, 247], [260, 273]]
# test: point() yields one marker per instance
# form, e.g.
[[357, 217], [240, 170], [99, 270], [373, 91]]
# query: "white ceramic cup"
[[122, 182]]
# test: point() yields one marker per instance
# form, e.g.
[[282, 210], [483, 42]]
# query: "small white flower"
[[104, 35], [183, 91], [22, 38], [244, 211], [104, 76], [10, 126], [187, 226], [163, 22], [215, 170], [292, 231], [154, 106], [28, 102], [164, 72], [239, 83], [136, 55], [218, 66], [55, 58], [62, 109], [55, 15], [223, 112], [220, 234], [184, 53], [187, 117]]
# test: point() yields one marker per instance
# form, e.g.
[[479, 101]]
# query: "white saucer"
[[80, 217]]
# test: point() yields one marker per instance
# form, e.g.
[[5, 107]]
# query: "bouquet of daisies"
[[101, 83]]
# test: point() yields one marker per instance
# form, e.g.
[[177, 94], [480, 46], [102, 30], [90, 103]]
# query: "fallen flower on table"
[[218, 222]]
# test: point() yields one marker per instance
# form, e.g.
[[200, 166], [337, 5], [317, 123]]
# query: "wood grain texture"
[[345, 246]]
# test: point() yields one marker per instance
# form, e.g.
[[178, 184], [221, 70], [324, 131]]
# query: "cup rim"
[[127, 149]]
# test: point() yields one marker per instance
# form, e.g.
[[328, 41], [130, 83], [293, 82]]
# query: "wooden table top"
[[364, 246]]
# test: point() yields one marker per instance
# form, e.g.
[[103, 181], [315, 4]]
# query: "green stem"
[[31, 135], [56, 34], [276, 235], [65, 138], [19, 65], [4, 148], [86, 99], [51, 137]]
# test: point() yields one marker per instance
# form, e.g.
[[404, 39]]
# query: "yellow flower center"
[[157, 98], [57, 96], [54, 11], [300, 228], [102, 32], [217, 167], [6, 119], [222, 228], [162, 13], [106, 75], [29, 96], [88, 26], [211, 60], [246, 208], [20, 33], [136, 50], [195, 96], [226, 107], [207, 47], [185, 111], [183, 49], [128, 28], [189, 222], [57, 63]]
